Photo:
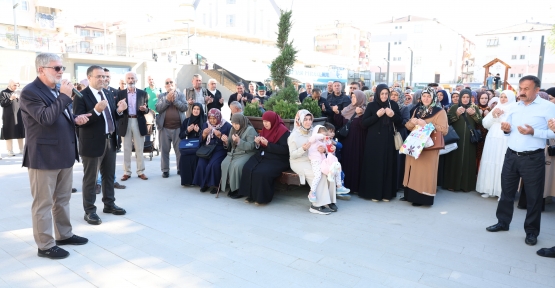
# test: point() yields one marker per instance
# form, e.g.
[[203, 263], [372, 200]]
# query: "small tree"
[[283, 64]]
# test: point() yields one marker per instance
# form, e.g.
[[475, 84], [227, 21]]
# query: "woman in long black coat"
[[379, 169], [270, 160], [12, 123], [191, 129]]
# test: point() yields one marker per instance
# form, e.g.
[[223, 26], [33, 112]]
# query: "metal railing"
[[41, 44]]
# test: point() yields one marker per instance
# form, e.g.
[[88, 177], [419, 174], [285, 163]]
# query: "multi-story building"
[[346, 40], [439, 53], [519, 47]]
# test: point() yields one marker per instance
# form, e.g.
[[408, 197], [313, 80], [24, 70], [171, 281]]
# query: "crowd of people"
[[354, 153]]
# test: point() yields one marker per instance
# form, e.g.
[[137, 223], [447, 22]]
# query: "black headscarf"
[[200, 119], [422, 111], [463, 92], [377, 96]]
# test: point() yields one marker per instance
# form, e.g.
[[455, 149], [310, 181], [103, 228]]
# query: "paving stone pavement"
[[173, 236]]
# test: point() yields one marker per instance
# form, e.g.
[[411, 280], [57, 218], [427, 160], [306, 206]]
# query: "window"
[[522, 56], [513, 57], [23, 5], [417, 60], [399, 42], [230, 21], [396, 27], [515, 38], [400, 27], [98, 34], [398, 58], [230, 2], [512, 75], [84, 32], [395, 43], [523, 37], [493, 42], [519, 75]]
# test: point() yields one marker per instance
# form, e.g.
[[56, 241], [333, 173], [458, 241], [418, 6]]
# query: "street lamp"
[[387, 77], [411, 53], [380, 73], [15, 25]]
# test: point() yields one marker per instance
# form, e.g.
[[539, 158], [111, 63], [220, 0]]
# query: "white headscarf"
[[511, 101]]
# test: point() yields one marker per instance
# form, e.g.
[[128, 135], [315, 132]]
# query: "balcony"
[[328, 36], [326, 47], [45, 21]]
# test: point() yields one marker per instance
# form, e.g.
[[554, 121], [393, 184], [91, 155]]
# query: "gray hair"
[[459, 85], [236, 105], [240, 84], [212, 80], [197, 76], [44, 59], [131, 72]]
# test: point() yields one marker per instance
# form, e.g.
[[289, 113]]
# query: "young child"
[[337, 153], [321, 164]]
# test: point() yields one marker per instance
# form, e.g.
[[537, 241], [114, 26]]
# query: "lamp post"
[[411, 54], [15, 25], [380, 73], [387, 76]]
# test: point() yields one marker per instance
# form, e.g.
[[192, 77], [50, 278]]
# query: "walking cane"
[[219, 185]]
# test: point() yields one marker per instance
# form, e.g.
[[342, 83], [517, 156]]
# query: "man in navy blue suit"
[[49, 154]]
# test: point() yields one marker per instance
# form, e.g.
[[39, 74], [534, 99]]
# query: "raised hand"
[[100, 106], [470, 111], [506, 127], [122, 106], [66, 87], [224, 139], [460, 111], [380, 112], [389, 112], [526, 129]]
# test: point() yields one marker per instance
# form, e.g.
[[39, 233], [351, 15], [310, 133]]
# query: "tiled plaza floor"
[[178, 237]]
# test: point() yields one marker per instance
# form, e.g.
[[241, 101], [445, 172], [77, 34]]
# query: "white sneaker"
[[342, 190], [10, 153], [485, 195]]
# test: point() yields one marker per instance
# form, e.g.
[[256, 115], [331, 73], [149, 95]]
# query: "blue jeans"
[[99, 179]]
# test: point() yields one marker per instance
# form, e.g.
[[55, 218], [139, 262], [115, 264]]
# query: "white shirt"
[[535, 114], [98, 99]]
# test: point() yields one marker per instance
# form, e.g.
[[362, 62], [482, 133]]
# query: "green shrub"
[[285, 110], [288, 94], [312, 106], [251, 109]]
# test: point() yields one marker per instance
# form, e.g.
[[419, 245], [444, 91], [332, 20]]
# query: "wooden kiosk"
[[493, 62]]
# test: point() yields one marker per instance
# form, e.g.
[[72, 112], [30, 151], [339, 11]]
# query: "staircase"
[[226, 82]]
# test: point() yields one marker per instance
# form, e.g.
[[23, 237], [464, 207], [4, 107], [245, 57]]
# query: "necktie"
[[108, 114]]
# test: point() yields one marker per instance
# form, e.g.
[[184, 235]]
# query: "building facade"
[[346, 40]]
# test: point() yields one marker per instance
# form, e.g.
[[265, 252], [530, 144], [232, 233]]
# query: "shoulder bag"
[[344, 131], [451, 137], [475, 135], [206, 151], [396, 135]]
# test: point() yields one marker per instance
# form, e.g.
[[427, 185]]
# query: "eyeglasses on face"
[[56, 68], [169, 82], [99, 76]]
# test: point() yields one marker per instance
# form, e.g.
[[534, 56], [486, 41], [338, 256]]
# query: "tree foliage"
[[312, 106], [283, 64]]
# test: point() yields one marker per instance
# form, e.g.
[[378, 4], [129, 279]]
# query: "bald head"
[[12, 85]]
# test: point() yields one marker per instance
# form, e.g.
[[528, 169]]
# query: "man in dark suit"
[[132, 125], [240, 96], [216, 100], [97, 144], [49, 154], [306, 93]]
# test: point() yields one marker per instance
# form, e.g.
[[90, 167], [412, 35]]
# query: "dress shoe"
[[402, 199], [165, 174], [531, 239], [178, 172], [53, 253], [547, 252], [521, 207], [116, 210], [204, 189], [125, 177], [73, 240], [73, 190], [97, 189], [143, 176], [93, 219], [119, 186], [497, 227], [214, 190]]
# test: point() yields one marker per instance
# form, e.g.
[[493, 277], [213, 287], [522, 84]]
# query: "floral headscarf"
[[219, 123], [423, 111], [299, 119]]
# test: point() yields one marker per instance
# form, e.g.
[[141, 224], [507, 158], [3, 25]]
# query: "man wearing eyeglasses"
[[49, 154], [12, 124], [97, 143], [132, 125], [171, 106]]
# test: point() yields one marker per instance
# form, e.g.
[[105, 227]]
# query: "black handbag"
[[475, 135], [206, 151], [451, 137], [344, 131]]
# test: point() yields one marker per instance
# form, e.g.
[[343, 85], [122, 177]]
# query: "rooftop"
[[408, 18], [520, 28]]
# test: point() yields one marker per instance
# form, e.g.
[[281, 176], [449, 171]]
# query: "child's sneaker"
[[312, 196], [342, 190]]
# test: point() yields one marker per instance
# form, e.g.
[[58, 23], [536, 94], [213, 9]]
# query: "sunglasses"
[[56, 68], [169, 82]]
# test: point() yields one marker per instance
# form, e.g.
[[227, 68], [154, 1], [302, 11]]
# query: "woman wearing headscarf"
[[483, 109], [455, 95], [240, 147], [495, 147], [300, 164], [379, 168], [460, 165], [399, 97], [12, 123], [420, 178], [353, 144], [493, 102], [209, 171], [190, 129], [443, 99], [416, 97], [270, 160]]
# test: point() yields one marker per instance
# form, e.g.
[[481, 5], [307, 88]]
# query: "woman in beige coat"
[[421, 174]]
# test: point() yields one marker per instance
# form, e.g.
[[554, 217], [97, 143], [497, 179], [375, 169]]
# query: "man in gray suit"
[[171, 106], [49, 154]]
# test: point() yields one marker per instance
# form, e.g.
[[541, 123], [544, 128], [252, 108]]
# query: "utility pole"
[[16, 38], [380, 73], [542, 56], [411, 54], [388, 57]]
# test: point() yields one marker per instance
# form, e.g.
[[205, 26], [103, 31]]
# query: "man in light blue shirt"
[[527, 130]]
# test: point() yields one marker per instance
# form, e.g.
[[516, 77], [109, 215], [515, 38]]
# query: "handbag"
[[206, 151], [550, 148], [397, 138], [451, 137], [475, 135], [189, 143], [439, 141], [344, 131]]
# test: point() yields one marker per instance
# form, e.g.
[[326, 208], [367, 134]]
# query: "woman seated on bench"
[[300, 164]]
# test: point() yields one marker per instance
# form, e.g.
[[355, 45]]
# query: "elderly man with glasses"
[[171, 106], [12, 124]]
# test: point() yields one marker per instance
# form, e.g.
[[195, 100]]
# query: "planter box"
[[289, 123]]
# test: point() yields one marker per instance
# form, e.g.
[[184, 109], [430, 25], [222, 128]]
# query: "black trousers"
[[532, 170], [106, 165]]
